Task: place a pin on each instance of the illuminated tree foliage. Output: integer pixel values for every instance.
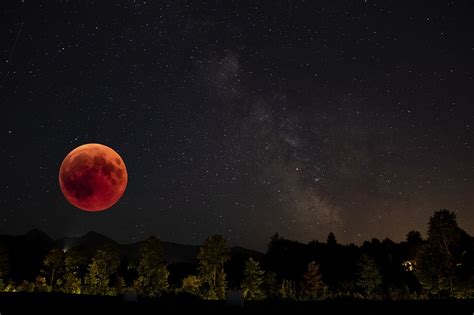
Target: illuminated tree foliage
(287, 290)
(220, 289)
(369, 279)
(26, 286)
(313, 286)
(104, 264)
(192, 284)
(152, 273)
(252, 284)
(72, 282)
(71, 279)
(120, 285)
(54, 267)
(41, 285)
(211, 256)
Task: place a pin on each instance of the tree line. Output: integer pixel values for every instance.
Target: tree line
(442, 265)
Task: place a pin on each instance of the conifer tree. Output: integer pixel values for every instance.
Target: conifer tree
(369, 279)
(313, 286)
(252, 284)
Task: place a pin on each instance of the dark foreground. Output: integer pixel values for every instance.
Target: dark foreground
(55, 303)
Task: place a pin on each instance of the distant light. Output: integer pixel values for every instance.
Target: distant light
(409, 266)
(65, 249)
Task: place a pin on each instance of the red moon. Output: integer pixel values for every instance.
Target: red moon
(93, 177)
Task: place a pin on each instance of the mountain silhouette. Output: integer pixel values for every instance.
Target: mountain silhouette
(28, 251)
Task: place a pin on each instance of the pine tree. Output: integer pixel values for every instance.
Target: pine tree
(211, 256)
(369, 278)
(252, 284)
(313, 286)
(152, 273)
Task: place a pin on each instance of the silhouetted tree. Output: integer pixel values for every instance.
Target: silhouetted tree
(286, 258)
(152, 273)
(4, 261)
(331, 241)
(104, 263)
(440, 254)
(414, 242)
(211, 256)
(414, 237)
(369, 278)
(313, 286)
(252, 284)
(54, 266)
(273, 243)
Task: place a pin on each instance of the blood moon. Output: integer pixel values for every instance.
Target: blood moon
(93, 177)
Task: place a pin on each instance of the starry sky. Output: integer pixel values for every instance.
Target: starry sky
(242, 118)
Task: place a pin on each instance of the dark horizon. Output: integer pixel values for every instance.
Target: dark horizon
(55, 238)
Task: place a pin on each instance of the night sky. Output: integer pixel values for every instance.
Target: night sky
(241, 118)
